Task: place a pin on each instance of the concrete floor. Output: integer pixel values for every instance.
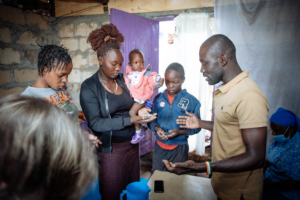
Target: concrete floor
(145, 173)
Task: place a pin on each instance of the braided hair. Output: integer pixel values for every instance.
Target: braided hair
(106, 38)
(53, 56)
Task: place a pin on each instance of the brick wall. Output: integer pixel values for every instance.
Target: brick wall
(19, 33)
(73, 33)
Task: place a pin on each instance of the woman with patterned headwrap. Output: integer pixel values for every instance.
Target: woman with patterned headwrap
(282, 167)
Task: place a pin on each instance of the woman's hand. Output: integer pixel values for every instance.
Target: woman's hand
(160, 133)
(144, 111)
(140, 119)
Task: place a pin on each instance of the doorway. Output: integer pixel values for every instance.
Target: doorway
(176, 44)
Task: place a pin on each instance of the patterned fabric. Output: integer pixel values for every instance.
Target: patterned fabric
(134, 77)
(117, 169)
(284, 158)
(139, 101)
(141, 84)
(61, 98)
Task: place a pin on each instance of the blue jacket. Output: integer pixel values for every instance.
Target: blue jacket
(167, 114)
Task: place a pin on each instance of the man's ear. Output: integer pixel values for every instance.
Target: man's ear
(100, 59)
(222, 60)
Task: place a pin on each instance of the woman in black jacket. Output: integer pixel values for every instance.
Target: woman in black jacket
(106, 101)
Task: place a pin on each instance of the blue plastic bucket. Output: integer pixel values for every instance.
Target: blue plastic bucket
(137, 190)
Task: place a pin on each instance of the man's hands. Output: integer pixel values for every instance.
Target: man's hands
(191, 121)
(160, 133)
(180, 168)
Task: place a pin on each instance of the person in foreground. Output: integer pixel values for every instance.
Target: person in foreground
(106, 101)
(172, 141)
(239, 128)
(43, 153)
(282, 166)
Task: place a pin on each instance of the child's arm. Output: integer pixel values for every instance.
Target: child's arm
(155, 81)
(195, 111)
(160, 133)
(176, 132)
(154, 109)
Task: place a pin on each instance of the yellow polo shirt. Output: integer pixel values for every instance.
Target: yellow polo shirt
(239, 104)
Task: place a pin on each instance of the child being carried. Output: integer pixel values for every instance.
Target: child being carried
(141, 83)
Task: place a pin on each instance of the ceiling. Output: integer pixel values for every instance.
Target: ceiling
(43, 7)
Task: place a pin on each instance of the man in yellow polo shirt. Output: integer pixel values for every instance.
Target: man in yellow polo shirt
(239, 128)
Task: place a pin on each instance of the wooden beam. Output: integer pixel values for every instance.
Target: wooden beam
(142, 6)
(63, 7)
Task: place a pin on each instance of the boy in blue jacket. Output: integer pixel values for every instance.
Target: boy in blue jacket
(172, 143)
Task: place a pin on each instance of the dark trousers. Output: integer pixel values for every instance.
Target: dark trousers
(179, 154)
(273, 195)
(242, 198)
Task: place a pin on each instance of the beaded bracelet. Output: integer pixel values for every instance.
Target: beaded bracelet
(208, 168)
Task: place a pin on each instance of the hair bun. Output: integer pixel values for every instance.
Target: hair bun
(105, 38)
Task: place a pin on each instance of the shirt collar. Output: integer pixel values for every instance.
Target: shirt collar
(233, 82)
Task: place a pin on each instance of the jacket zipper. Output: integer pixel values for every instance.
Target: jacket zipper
(107, 110)
(170, 113)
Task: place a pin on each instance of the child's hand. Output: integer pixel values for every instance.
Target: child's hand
(162, 80)
(160, 133)
(174, 133)
(94, 140)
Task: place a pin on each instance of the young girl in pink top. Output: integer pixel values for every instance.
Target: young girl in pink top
(141, 83)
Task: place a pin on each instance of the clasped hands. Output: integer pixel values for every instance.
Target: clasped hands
(161, 134)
